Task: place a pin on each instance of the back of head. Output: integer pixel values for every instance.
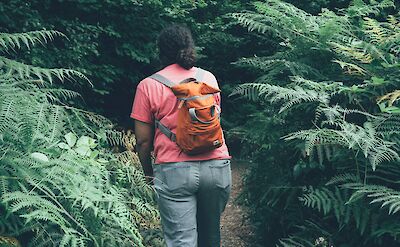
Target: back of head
(176, 45)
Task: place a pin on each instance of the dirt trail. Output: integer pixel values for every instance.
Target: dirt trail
(236, 229)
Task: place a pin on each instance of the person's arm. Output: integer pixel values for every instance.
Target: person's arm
(144, 133)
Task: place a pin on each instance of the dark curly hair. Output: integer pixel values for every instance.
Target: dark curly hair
(176, 45)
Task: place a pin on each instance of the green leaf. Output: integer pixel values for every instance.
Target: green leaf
(92, 143)
(393, 109)
(83, 150)
(71, 139)
(382, 106)
(39, 157)
(86, 141)
(83, 141)
(101, 160)
(389, 109)
(94, 154)
(63, 145)
(377, 80)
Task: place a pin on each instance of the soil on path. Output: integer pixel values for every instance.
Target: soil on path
(236, 229)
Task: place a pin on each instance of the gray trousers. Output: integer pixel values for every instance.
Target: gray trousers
(191, 197)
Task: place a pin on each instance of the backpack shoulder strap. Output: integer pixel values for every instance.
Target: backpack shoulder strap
(164, 129)
(162, 80)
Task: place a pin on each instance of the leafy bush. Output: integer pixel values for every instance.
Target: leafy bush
(328, 183)
(60, 183)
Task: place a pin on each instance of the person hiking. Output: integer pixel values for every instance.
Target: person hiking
(192, 173)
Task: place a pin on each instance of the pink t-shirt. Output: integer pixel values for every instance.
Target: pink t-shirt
(155, 100)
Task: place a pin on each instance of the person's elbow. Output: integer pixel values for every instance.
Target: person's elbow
(144, 134)
(144, 144)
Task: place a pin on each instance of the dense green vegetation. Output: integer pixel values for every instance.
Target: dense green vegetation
(329, 92)
(313, 107)
(60, 183)
(113, 42)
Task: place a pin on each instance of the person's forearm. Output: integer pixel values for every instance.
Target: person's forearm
(144, 151)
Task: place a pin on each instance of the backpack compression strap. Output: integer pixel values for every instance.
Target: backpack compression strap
(165, 81)
(165, 130)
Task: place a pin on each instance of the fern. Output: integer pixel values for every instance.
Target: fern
(28, 39)
(359, 8)
(391, 98)
(379, 194)
(351, 136)
(343, 178)
(275, 65)
(23, 71)
(8, 241)
(330, 70)
(289, 96)
(57, 191)
(295, 241)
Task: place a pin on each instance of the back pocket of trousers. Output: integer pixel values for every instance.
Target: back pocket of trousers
(176, 178)
(221, 172)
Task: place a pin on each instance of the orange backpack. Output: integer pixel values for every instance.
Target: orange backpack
(198, 127)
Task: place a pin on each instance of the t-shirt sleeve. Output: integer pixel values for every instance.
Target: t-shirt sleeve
(141, 109)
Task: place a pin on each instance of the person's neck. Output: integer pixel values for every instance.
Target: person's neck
(178, 67)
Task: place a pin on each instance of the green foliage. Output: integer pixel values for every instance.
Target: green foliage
(315, 6)
(114, 42)
(60, 184)
(341, 158)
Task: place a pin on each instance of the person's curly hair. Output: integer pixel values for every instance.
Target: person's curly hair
(176, 45)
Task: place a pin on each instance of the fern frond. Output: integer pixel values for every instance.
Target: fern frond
(276, 66)
(351, 136)
(128, 157)
(337, 202)
(280, 19)
(23, 71)
(387, 124)
(351, 69)
(28, 39)
(361, 8)
(46, 211)
(55, 95)
(377, 33)
(9, 241)
(254, 22)
(289, 96)
(391, 98)
(55, 122)
(380, 194)
(351, 52)
(292, 241)
(343, 178)
(120, 138)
